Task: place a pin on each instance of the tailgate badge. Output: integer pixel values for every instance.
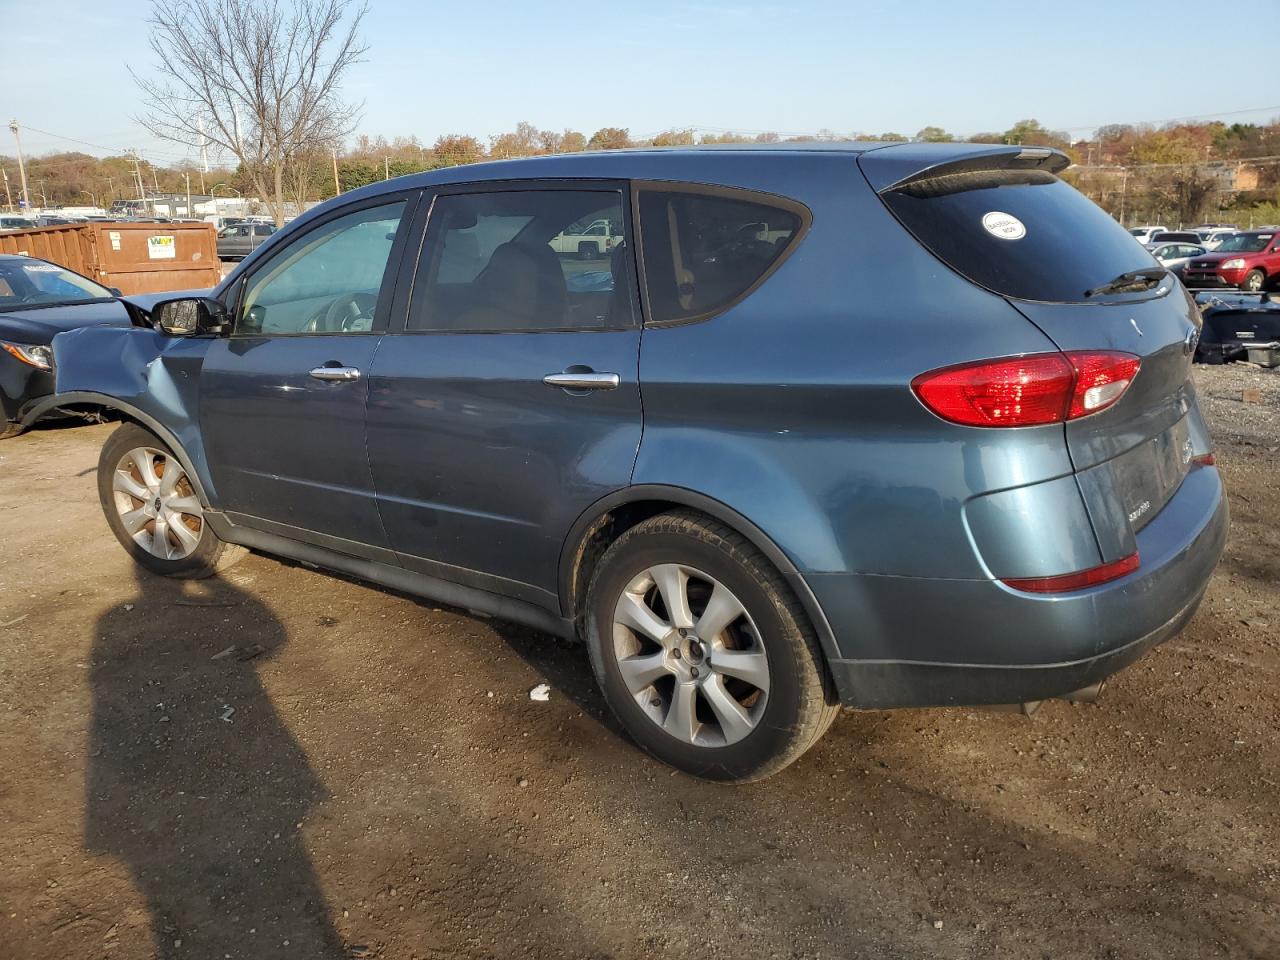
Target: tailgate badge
(1136, 327)
(1143, 507)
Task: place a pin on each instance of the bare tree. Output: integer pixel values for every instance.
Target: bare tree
(258, 78)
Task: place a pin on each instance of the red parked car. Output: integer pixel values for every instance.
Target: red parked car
(1248, 260)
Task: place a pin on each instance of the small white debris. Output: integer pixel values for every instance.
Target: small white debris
(541, 693)
(937, 924)
(128, 607)
(14, 622)
(225, 653)
(227, 711)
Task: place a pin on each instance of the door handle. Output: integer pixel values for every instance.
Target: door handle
(336, 374)
(586, 380)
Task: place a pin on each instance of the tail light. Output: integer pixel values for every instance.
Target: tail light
(1027, 391)
(1078, 580)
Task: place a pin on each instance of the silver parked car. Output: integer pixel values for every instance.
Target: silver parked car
(1175, 256)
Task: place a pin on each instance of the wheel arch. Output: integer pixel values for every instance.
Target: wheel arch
(609, 517)
(88, 402)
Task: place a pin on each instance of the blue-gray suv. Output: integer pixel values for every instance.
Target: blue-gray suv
(808, 425)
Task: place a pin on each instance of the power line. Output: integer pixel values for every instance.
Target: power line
(99, 146)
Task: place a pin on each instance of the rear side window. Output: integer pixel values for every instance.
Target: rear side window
(524, 261)
(704, 251)
(1021, 233)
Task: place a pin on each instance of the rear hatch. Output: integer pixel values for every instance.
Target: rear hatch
(1003, 219)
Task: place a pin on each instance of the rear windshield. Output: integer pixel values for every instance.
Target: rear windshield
(1021, 233)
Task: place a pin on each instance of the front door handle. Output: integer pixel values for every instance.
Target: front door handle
(587, 380)
(337, 374)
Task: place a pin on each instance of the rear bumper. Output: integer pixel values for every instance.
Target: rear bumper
(914, 642)
(1217, 280)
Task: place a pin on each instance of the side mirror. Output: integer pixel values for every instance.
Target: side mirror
(115, 291)
(189, 316)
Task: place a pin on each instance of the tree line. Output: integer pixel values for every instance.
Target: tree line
(1184, 172)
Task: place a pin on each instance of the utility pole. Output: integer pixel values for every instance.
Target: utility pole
(337, 187)
(188, 177)
(137, 174)
(22, 169)
(8, 197)
(44, 201)
(1124, 189)
(386, 168)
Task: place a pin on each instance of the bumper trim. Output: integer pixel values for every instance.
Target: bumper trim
(888, 684)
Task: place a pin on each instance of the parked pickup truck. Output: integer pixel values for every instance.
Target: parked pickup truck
(239, 240)
(1248, 260)
(590, 243)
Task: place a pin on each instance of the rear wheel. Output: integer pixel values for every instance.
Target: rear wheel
(153, 509)
(1253, 281)
(588, 250)
(703, 653)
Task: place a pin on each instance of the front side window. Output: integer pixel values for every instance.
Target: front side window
(704, 251)
(524, 260)
(327, 280)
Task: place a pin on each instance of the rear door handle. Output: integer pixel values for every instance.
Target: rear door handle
(337, 374)
(583, 381)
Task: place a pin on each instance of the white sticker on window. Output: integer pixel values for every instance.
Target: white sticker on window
(1003, 226)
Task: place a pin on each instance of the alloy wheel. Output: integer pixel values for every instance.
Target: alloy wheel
(690, 655)
(157, 504)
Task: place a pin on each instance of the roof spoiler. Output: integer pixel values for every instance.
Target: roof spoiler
(895, 167)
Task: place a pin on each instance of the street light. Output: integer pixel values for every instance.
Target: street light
(214, 189)
(92, 199)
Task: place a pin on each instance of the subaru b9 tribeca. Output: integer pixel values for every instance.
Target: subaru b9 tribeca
(879, 426)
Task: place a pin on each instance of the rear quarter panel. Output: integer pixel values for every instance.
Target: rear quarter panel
(794, 408)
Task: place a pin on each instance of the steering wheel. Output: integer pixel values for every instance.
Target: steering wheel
(342, 315)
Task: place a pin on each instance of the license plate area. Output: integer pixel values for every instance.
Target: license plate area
(1148, 476)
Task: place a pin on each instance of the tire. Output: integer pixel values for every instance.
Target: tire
(588, 250)
(1254, 281)
(190, 553)
(682, 717)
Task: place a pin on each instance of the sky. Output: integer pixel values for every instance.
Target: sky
(745, 65)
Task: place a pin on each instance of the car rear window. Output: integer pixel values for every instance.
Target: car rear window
(706, 249)
(1021, 233)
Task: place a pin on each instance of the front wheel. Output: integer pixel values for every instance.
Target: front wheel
(153, 509)
(703, 653)
(1253, 281)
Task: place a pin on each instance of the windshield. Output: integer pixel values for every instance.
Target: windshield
(1021, 233)
(1245, 243)
(28, 283)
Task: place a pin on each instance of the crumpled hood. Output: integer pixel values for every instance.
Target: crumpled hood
(39, 325)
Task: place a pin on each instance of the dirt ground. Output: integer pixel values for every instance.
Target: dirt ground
(377, 783)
